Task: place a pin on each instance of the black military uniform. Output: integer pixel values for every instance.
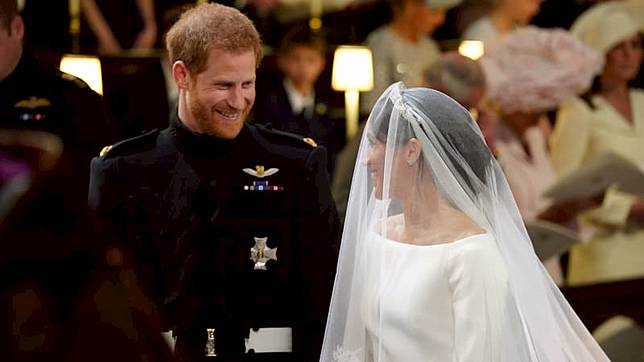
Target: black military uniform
(39, 97)
(198, 209)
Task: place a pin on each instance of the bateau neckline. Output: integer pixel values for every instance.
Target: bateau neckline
(484, 235)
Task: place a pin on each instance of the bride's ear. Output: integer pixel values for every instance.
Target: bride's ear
(413, 151)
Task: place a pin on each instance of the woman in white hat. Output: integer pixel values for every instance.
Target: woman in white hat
(609, 118)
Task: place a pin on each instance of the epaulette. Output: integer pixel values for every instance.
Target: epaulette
(72, 78)
(129, 144)
(287, 135)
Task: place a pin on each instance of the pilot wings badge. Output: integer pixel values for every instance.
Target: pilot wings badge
(33, 103)
(260, 171)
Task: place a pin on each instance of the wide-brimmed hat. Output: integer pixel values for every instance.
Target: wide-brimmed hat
(534, 70)
(607, 24)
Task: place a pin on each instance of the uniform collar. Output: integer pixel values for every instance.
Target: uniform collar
(25, 64)
(198, 145)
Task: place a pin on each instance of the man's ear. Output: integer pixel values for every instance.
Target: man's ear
(181, 75)
(413, 151)
(18, 27)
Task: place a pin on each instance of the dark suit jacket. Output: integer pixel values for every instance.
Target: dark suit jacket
(272, 106)
(191, 207)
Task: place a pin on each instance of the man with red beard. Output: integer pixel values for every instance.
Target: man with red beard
(233, 225)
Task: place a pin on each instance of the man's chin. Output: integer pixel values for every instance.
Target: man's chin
(229, 133)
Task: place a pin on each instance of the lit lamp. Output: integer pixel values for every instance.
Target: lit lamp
(472, 49)
(75, 24)
(85, 67)
(352, 73)
(315, 23)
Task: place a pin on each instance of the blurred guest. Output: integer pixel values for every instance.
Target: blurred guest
(459, 77)
(505, 16)
(66, 291)
(36, 96)
(122, 24)
(528, 73)
(402, 49)
(293, 105)
(47, 27)
(463, 79)
(610, 117)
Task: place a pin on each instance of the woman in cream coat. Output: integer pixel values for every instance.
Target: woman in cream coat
(609, 118)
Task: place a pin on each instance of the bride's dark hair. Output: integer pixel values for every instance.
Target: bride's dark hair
(453, 122)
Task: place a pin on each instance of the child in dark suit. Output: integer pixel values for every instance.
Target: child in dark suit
(292, 104)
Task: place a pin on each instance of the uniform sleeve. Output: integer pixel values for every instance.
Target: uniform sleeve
(571, 135)
(478, 282)
(123, 214)
(318, 233)
(102, 195)
(105, 198)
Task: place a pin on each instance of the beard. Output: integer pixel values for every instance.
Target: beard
(209, 125)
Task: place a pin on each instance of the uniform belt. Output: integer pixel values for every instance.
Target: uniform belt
(170, 339)
(270, 340)
(262, 340)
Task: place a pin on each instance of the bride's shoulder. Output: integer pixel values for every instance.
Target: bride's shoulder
(476, 248)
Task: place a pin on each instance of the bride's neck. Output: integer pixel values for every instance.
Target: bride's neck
(423, 213)
(431, 219)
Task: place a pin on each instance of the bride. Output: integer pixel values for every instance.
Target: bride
(436, 264)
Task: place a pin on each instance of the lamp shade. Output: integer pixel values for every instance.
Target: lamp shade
(85, 67)
(352, 69)
(472, 49)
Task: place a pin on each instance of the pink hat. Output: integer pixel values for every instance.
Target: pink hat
(534, 70)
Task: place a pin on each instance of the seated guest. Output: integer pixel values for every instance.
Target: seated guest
(293, 105)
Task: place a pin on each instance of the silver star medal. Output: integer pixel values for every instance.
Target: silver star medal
(261, 254)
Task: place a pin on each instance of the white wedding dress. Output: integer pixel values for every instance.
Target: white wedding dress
(423, 167)
(433, 302)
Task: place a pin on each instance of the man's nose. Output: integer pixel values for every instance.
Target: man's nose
(236, 98)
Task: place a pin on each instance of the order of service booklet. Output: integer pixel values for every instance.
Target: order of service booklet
(596, 176)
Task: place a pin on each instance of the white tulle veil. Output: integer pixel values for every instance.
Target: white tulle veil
(537, 323)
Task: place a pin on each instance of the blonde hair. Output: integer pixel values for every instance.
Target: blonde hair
(208, 26)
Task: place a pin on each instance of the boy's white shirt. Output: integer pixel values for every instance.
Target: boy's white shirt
(296, 99)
